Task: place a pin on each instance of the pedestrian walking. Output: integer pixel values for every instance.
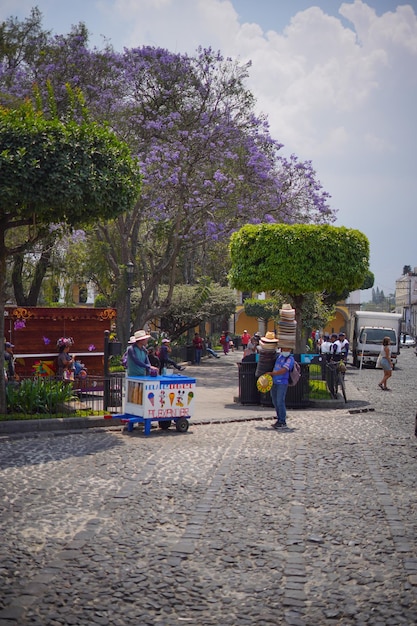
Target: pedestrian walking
(384, 361)
(225, 342)
(245, 338)
(198, 348)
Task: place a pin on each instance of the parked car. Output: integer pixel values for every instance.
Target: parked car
(407, 341)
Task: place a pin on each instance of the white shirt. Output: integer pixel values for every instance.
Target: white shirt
(325, 347)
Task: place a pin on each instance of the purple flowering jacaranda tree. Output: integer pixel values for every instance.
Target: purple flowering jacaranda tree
(209, 164)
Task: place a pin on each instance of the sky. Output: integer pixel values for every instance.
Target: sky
(337, 81)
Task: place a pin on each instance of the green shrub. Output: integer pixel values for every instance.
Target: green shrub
(38, 395)
(115, 363)
(100, 301)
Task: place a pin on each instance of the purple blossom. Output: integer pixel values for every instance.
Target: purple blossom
(91, 347)
(46, 341)
(205, 156)
(19, 324)
(78, 236)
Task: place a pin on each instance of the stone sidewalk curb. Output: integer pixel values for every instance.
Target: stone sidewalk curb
(249, 413)
(225, 409)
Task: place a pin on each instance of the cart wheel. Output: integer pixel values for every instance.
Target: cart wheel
(182, 425)
(165, 424)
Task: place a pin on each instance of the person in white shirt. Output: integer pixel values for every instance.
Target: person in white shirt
(335, 345)
(343, 346)
(325, 346)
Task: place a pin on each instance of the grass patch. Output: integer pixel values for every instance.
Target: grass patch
(319, 390)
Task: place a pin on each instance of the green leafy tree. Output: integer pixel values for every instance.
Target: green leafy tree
(264, 310)
(53, 171)
(333, 298)
(298, 260)
(192, 305)
(368, 281)
(316, 313)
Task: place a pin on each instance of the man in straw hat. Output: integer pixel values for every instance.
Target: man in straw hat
(280, 378)
(267, 353)
(138, 363)
(269, 342)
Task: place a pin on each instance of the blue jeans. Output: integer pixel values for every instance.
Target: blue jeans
(278, 393)
(168, 363)
(198, 354)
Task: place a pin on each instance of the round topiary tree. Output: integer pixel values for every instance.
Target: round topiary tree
(298, 259)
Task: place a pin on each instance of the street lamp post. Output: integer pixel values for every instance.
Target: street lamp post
(129, 270)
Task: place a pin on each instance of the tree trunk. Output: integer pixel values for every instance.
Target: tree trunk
(298, 305)
(122, 322)
(41, 267)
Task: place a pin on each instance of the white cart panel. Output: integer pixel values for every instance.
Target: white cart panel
(160, 396)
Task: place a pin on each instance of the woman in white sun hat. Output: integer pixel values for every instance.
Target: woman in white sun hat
(137, 356)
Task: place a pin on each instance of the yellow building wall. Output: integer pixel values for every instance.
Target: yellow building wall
(251, 324)
(339, 324)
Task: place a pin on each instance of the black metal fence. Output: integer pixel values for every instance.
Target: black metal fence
(101, 393)
(48, 396)
(317, 381)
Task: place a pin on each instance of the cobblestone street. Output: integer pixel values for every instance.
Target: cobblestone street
(231, 523)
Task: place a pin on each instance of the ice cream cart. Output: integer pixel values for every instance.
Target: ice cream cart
(164, 399)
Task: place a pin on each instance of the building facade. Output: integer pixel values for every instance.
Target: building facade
(406, 301)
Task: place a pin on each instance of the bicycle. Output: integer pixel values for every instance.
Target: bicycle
(335, 378)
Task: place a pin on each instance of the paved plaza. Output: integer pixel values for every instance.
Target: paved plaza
(231, 523)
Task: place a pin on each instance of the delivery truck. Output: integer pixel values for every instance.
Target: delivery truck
(368, 328)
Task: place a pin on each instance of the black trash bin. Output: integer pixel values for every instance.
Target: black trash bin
(190, 353)
(248, 391)
(299, 395)
(265, 399)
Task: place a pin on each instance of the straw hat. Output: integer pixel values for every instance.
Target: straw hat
(268, 343)
(140, 335)
(269, 337)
